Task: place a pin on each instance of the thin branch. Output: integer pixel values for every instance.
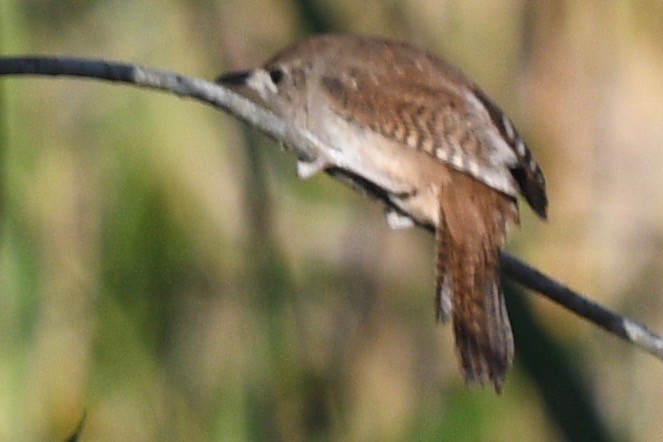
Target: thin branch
(305, 146)
(607, 319)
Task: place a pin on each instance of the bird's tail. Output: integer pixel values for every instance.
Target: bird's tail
(470, 234)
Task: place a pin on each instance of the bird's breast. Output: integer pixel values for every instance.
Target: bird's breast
(409, 177)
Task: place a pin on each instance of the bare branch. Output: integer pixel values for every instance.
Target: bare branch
(167, 81)
(605, 318)
(305, 146)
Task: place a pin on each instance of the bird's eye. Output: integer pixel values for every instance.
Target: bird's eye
(276, 75)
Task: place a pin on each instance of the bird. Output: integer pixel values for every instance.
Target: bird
(407, 127)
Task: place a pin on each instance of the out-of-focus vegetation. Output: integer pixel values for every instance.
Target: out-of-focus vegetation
(163, 272)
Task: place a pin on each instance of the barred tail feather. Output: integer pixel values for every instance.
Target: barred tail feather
(469, 236)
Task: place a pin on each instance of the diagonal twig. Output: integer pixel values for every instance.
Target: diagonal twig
(305, 146)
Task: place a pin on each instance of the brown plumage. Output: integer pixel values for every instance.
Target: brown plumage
(410, 129)
(471, 232)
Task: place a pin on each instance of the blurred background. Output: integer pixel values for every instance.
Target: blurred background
(165, 274)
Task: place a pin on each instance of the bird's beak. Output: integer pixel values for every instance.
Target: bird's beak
(243, 83)
(230, 79)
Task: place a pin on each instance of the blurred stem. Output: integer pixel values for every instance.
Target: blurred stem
(267, 270)
(565, 393)
(314, 19)
(3, 115)
(277, 298)
(266, 265)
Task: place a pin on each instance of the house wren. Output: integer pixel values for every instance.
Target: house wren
(408, 128)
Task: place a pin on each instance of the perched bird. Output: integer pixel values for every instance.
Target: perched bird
(410, 129)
